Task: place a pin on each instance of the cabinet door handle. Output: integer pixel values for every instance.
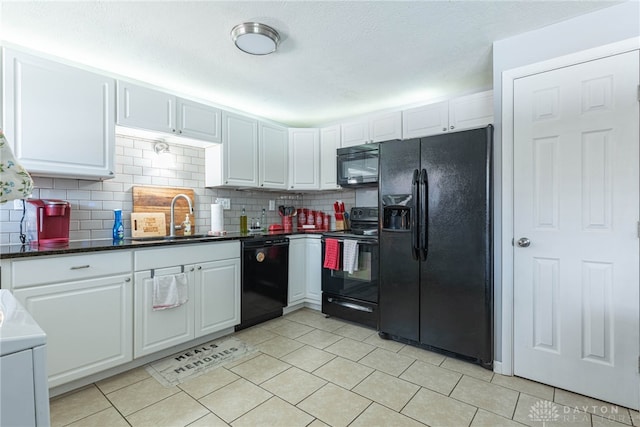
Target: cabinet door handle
(444, 129)
(127, 280)
(80, 267)
(192, 269)
(452, 127)
(199, 267)
(180, 131)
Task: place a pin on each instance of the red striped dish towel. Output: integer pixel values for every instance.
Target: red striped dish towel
(331, 254)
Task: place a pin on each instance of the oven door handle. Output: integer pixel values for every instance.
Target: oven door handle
(360, 242)
(350, 305)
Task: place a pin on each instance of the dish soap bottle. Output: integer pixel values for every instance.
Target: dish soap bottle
(118, 228)
(186, 226)
(243, 221)
(263, 220)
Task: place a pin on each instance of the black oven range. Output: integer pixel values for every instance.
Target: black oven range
(350, 269)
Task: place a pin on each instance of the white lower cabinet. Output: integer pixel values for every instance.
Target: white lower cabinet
(305, 259)
(297, 269)
(88, 320)
(156, 330)
(96, 317)
(217, 296)
(213, 289)
(314, 270)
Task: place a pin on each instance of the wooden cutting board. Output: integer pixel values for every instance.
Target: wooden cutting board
(147, 224)
(150, 199)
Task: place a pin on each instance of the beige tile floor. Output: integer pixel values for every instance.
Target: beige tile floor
(316, 371)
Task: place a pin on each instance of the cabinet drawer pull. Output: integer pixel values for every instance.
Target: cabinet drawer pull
(80, 267)
(128, 279)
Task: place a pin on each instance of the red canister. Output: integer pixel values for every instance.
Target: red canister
(319, 220)
(311, 218)
(302, 217)
(326, 222)
(299, 217)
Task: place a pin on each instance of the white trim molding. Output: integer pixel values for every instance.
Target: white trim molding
(508, 79)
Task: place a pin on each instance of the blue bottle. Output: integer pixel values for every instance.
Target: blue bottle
(118, 228)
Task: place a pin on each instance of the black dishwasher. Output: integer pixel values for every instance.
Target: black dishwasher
(265, 279)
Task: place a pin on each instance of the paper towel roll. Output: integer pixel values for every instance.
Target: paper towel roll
(217, 218)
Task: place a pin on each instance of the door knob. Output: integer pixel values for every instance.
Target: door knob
(523, 242)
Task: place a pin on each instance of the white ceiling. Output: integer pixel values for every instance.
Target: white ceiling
(336, 59)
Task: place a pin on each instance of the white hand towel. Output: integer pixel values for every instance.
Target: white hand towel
(169, 291)
(350, 256)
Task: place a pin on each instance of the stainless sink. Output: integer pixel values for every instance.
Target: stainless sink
(170, 238)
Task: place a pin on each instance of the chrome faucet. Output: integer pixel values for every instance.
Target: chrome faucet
(172, 226)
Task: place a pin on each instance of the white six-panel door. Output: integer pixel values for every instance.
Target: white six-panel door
(576, 199)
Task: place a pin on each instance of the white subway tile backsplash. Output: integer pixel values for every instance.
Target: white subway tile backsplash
(126, 161)
(62, 183)
(141, 180)
(137, 164)
(91, 225)
(52, 194)
(132, 152)
(132, 170)
(78, 195)
(101, 195)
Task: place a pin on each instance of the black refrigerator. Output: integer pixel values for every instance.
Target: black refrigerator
(436, 278)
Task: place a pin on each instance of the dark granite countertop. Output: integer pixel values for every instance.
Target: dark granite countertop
(23, 251)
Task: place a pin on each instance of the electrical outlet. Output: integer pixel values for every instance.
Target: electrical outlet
(272, 205)
(225, 202)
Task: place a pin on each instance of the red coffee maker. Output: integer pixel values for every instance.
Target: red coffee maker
(48, 222)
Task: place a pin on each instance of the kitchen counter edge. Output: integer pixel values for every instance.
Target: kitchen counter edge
(97, 245)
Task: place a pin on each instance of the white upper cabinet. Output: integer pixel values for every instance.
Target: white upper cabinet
(153, 110)
(385, 127)
(304, 159)
(426, 120)
(461, 113)
(234, 163)
(198, 121)
(471, 111)
(329, 143)
(273, 143)
(375, 128)
(144, 108)
(355, 133)
(59, 119)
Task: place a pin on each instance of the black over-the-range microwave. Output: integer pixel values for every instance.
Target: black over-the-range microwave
(358, 165)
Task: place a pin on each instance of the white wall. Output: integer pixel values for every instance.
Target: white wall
(610, 25)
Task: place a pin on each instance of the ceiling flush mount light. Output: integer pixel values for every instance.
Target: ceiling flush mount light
(161, 148)
(255, 38)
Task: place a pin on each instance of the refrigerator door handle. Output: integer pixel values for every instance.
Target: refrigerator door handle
(424, 215)
(415, 249)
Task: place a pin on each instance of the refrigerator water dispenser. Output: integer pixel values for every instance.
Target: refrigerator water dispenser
(396, 218)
